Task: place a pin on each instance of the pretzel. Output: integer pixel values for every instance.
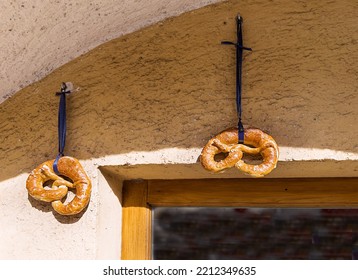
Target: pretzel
(227, 142)
(70, 168)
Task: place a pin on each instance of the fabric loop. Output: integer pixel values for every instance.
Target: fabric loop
(239, 51)
(55, 164)
(241, 132)
(61, 125)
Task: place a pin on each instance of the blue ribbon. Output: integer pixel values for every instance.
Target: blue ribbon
(61, 126)
(239, 50)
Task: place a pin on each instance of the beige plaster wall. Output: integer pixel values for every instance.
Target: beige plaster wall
(146, 103)
(38, 36)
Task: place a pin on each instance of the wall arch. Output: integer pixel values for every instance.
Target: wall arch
(154, 97)
(38, 37)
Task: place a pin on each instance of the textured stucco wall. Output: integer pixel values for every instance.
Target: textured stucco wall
(38, 36)
(146, 103)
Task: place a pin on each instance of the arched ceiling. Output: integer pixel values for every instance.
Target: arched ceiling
(38, 36)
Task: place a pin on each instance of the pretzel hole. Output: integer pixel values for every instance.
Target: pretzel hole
(252, 159)
(66, 178)
(220, 156)
(69, 196)
(48, 184)
(71, 193)
(250, 146)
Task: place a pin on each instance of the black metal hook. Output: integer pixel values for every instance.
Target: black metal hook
(64, 89)
(238, 44)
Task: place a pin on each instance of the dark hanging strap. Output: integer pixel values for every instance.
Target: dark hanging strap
(61, 125)
(239, 50)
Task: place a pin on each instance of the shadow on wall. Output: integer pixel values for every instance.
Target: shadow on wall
(46, 207)
(173, 85)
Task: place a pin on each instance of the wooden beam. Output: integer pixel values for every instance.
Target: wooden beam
(140, 196)
(308, 192)
(136, 222)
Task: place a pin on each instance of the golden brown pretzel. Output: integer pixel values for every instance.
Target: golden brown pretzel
(68, 167)
(227, 142)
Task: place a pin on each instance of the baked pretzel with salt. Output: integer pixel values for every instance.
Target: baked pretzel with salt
(236, 141)
(255, 142)
(70, 168)
(64, 172)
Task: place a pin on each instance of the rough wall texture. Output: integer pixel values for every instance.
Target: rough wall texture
(38, 36)
(157, 95)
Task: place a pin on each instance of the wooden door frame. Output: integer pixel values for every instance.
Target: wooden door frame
(139, 196)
